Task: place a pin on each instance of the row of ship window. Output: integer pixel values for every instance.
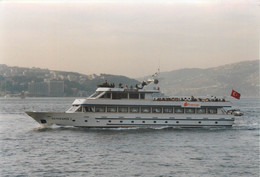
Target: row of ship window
(166, 122)
(114, 109)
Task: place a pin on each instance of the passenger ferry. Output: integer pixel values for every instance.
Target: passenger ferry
(111, 107)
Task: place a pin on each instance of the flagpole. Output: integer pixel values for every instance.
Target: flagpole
(5, 89)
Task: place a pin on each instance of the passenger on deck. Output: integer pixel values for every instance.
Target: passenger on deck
(144, 83)
(120, 85)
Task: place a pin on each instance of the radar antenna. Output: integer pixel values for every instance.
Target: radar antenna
(157, 73)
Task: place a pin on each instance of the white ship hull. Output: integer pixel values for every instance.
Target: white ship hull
(137, 107)
(113, 120)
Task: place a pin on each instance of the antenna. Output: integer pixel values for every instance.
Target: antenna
(159, 66)
(5, 89)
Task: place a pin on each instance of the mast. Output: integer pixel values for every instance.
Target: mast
(5, 89)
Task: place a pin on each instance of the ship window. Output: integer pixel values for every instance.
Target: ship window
(106, 95)
(134, 109)
(73, 108)
(43, 121)
(79, 110)
(89, 108)
(133, 95)
(86, 120)
(100, 109)
(123, 109)
(190, 110)
(167, 110)
(142, 95)
(143, 121)
(111, 109)
(166, 122)
(201, 111)
(132, 121)
(121, 121)
(212, 110)
(123, 95)
(119, 95)
(154, 121)
(96, 94)
(115, 96)
(179, 110)
(145, 110)
(157, 110)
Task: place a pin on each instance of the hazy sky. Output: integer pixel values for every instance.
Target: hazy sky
(131, 37)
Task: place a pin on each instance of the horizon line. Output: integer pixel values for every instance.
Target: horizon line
(125, 75)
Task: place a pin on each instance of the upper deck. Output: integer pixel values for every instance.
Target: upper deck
(143, 94)
(142, 91)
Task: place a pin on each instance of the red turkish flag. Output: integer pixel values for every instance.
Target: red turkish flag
(235, 94)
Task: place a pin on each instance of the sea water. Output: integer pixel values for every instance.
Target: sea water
(30, 150)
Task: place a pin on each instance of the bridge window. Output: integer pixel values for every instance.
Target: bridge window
(142, 95)
(119, 95)
(133, 95)
(106, 95)
(96, 94)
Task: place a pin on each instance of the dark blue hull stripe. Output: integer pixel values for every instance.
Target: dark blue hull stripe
(142, 119)
(174, 125)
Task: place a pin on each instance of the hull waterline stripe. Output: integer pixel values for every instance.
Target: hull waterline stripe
(164, 119)
(169, 125)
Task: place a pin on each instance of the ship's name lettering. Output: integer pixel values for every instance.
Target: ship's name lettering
(60, 118)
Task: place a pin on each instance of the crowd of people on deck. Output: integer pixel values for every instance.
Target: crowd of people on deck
(192, 98)
(120, 85)
(106, 84)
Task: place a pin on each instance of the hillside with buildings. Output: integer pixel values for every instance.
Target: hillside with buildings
(243, 77)
(36, 82)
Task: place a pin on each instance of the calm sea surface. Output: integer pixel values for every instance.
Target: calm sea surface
(28, 150)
